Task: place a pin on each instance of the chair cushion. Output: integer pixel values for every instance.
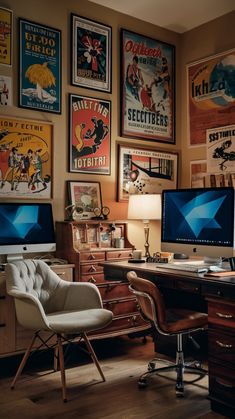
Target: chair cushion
(79, 321)
(181, 320)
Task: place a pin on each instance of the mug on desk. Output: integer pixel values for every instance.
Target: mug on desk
(137, 254)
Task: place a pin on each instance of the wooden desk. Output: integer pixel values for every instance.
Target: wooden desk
(215, 294)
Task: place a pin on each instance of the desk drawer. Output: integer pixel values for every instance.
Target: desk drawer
(218, 290)
(221, 313)
(64, 272)
(222, 384)
(93, 278)
(91, 268)
(114, 290)
(221, 346)
(122, 306)
(119, 254)
(92, 256)
(188, 286)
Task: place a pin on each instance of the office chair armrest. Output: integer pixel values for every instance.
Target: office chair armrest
(29, 311)
(82, 296)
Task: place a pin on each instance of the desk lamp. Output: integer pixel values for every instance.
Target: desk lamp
(145, 208)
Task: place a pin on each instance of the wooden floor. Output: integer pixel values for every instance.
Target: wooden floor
(38, 393)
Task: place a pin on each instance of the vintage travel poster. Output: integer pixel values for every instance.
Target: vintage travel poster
(25, 158)
(40, 67)
(6, 16)
(90, 133)
(147, 88)
(221, 149)
(145, 171)
(211, 95)
(91, 54)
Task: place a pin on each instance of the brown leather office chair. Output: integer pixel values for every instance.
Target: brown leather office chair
(167, 322)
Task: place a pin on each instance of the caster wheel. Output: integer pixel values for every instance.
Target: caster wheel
(198, 364)
(142, 383)
(151, 366)
(179, 390)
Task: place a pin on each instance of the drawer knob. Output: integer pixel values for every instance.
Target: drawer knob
(133, 320)
(92, 279)
(91, 257)
(224, 345)
(92, 268)
(224, 316)
(60, 273)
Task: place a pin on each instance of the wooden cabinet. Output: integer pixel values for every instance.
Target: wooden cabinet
(221, 354)
(86, 244)
(13, 337)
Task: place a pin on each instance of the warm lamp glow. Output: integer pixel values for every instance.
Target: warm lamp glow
(145, 208)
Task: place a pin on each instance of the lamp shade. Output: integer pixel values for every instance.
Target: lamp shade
(144, 207)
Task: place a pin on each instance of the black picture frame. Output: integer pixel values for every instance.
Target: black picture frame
(91, 55)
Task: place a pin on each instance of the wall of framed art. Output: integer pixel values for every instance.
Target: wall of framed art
(51, 40)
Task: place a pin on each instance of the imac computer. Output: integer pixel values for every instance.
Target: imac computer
(26, 228)
(199, 222)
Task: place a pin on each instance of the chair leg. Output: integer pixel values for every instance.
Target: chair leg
(56, 356)
(93, 355)
(24, 360)
(179, 387)
(62, 372)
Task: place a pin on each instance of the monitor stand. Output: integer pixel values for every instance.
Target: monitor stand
(11, 258)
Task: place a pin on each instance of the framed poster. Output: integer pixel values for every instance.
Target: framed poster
(85, 196)
(90, 133)
(144, 170)
(211, 95)
(5, 91)
(40, 67)
(91, 54)
(201, 178)
(221, 149)
(6, 22)
(25, 158)
(147, 88)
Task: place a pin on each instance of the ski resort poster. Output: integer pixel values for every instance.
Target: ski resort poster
(221, 149)
(25, 158)
(147, 88)
(145, 171)
(211, 95)
(40, 67)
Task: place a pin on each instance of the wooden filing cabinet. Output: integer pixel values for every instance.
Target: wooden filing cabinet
(221, 354)
(88, 243)
(13, 337)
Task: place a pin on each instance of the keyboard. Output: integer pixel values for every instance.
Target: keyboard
(187, 267)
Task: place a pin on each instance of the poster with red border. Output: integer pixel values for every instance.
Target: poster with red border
(90, 135)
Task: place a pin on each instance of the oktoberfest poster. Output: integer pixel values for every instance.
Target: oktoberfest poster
(221, 149)
(6, 16)
(25, 159)
(211, 95)
(90, 133)
(147, 88)
(40, 67)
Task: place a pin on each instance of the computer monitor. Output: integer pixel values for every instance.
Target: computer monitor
(26, 228)
(198, 222)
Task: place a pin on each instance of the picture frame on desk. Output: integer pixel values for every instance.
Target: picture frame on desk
(91, 60)
(145, 170)
(85, 197)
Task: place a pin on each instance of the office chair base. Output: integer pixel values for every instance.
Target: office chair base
(193, 367)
